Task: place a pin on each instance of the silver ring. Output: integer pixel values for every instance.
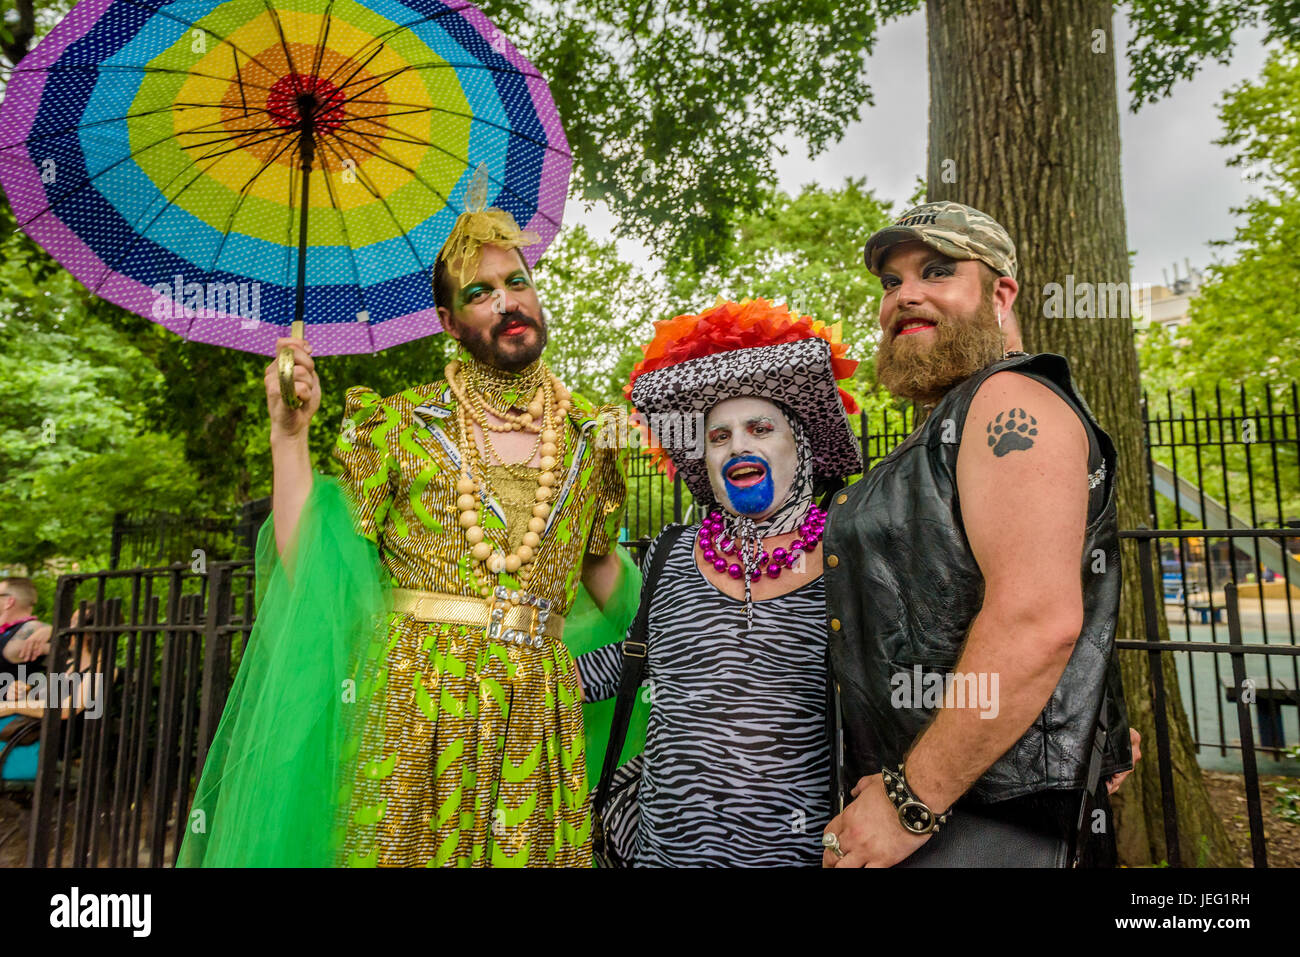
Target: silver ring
(832, 843)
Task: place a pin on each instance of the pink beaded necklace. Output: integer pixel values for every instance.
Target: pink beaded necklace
(715, 549)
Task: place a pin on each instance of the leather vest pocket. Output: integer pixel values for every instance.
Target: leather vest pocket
(918, 686)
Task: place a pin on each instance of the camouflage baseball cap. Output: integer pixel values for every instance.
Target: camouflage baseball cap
(954, 230)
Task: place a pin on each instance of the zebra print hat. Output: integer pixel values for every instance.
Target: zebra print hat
(745, 349)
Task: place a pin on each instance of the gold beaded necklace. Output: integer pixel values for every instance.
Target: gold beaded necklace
(492, 390)
(553, 406)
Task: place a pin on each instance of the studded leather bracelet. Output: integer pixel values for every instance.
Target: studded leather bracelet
(913, 814)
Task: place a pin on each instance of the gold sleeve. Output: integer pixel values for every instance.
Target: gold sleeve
(369, 470)
(609, 488)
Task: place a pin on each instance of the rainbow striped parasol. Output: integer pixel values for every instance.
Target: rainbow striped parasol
(157, 150)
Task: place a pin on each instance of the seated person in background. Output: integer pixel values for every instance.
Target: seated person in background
(79, 688)
(23, 638)
(23, 703)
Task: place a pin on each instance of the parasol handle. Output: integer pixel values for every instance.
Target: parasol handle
(307, 145)
(285, 358)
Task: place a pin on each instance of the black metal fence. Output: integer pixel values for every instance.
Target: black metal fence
(153, 539)
(149, 658)
(1225, 489)
(1255, 669)
(116, 776)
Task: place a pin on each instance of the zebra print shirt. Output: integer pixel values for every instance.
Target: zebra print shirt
(737, 761)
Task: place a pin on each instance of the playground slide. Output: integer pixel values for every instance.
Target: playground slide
(1188, 498)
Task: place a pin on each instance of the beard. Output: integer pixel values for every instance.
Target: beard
(961, 346)
(492, 349)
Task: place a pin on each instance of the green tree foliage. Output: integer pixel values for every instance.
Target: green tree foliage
(1172, 39)
(674, 109)
(71, 447)
(1244, 327)
(1243, 337)
(1244, 323)
(804, 250)
(599, 309)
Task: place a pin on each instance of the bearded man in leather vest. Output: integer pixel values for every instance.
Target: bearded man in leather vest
(972, 581)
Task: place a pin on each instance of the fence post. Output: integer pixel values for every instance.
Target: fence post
(1244, 728)
(1164, 757)
(43, 800)
(166, 729)
(862, 439)
(1149, 457)
(216, 660)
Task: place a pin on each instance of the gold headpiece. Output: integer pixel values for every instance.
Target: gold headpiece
(477, 227)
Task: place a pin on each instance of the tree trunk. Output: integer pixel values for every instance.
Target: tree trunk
(1024, 125)
(22, 30)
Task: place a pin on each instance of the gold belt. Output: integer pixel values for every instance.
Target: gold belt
(508, 616)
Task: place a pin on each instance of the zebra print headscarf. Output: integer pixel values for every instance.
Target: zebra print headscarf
(749, 534)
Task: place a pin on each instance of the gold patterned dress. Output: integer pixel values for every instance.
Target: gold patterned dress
(472, 752)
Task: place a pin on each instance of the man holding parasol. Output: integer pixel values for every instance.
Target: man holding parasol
(490, 503)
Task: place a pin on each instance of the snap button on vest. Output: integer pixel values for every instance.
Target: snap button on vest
(832, 560)
(835, 624)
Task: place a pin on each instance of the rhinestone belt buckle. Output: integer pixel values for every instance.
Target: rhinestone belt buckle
(503, 598)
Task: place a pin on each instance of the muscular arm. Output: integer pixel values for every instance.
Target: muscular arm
(17, 647)
(1025, 512)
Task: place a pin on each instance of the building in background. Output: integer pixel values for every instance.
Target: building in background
(1169, 304)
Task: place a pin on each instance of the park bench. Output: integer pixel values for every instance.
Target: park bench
(1177, 596)
(1173, 588)
(1206, 611)
(1270, 698)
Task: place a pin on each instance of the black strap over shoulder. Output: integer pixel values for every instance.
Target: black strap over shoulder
(1089, 800)
(635, 649)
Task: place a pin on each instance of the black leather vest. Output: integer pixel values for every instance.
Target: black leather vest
(905, 588)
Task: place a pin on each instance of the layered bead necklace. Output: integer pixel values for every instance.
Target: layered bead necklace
(475, 387)
(740, 537)
(757, 562)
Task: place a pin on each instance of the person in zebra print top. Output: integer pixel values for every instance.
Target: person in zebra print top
(737, 768)
(737, 759)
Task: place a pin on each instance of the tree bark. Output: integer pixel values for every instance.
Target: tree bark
(21, 32)
(1024, 125)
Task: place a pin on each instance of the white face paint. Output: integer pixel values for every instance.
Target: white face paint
(751, 455)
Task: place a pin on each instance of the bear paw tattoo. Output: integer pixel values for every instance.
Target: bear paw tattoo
(1012, 433)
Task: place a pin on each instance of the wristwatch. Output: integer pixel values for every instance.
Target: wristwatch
(913, 814)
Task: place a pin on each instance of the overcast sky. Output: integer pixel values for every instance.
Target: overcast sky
(1178, 190)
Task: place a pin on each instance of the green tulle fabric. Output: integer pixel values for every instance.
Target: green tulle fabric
(269, 795)
(277, 780)
(587, 628)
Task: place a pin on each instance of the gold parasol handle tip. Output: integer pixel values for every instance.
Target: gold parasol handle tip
(287, 393)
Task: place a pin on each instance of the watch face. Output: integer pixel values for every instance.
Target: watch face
(916, 817)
